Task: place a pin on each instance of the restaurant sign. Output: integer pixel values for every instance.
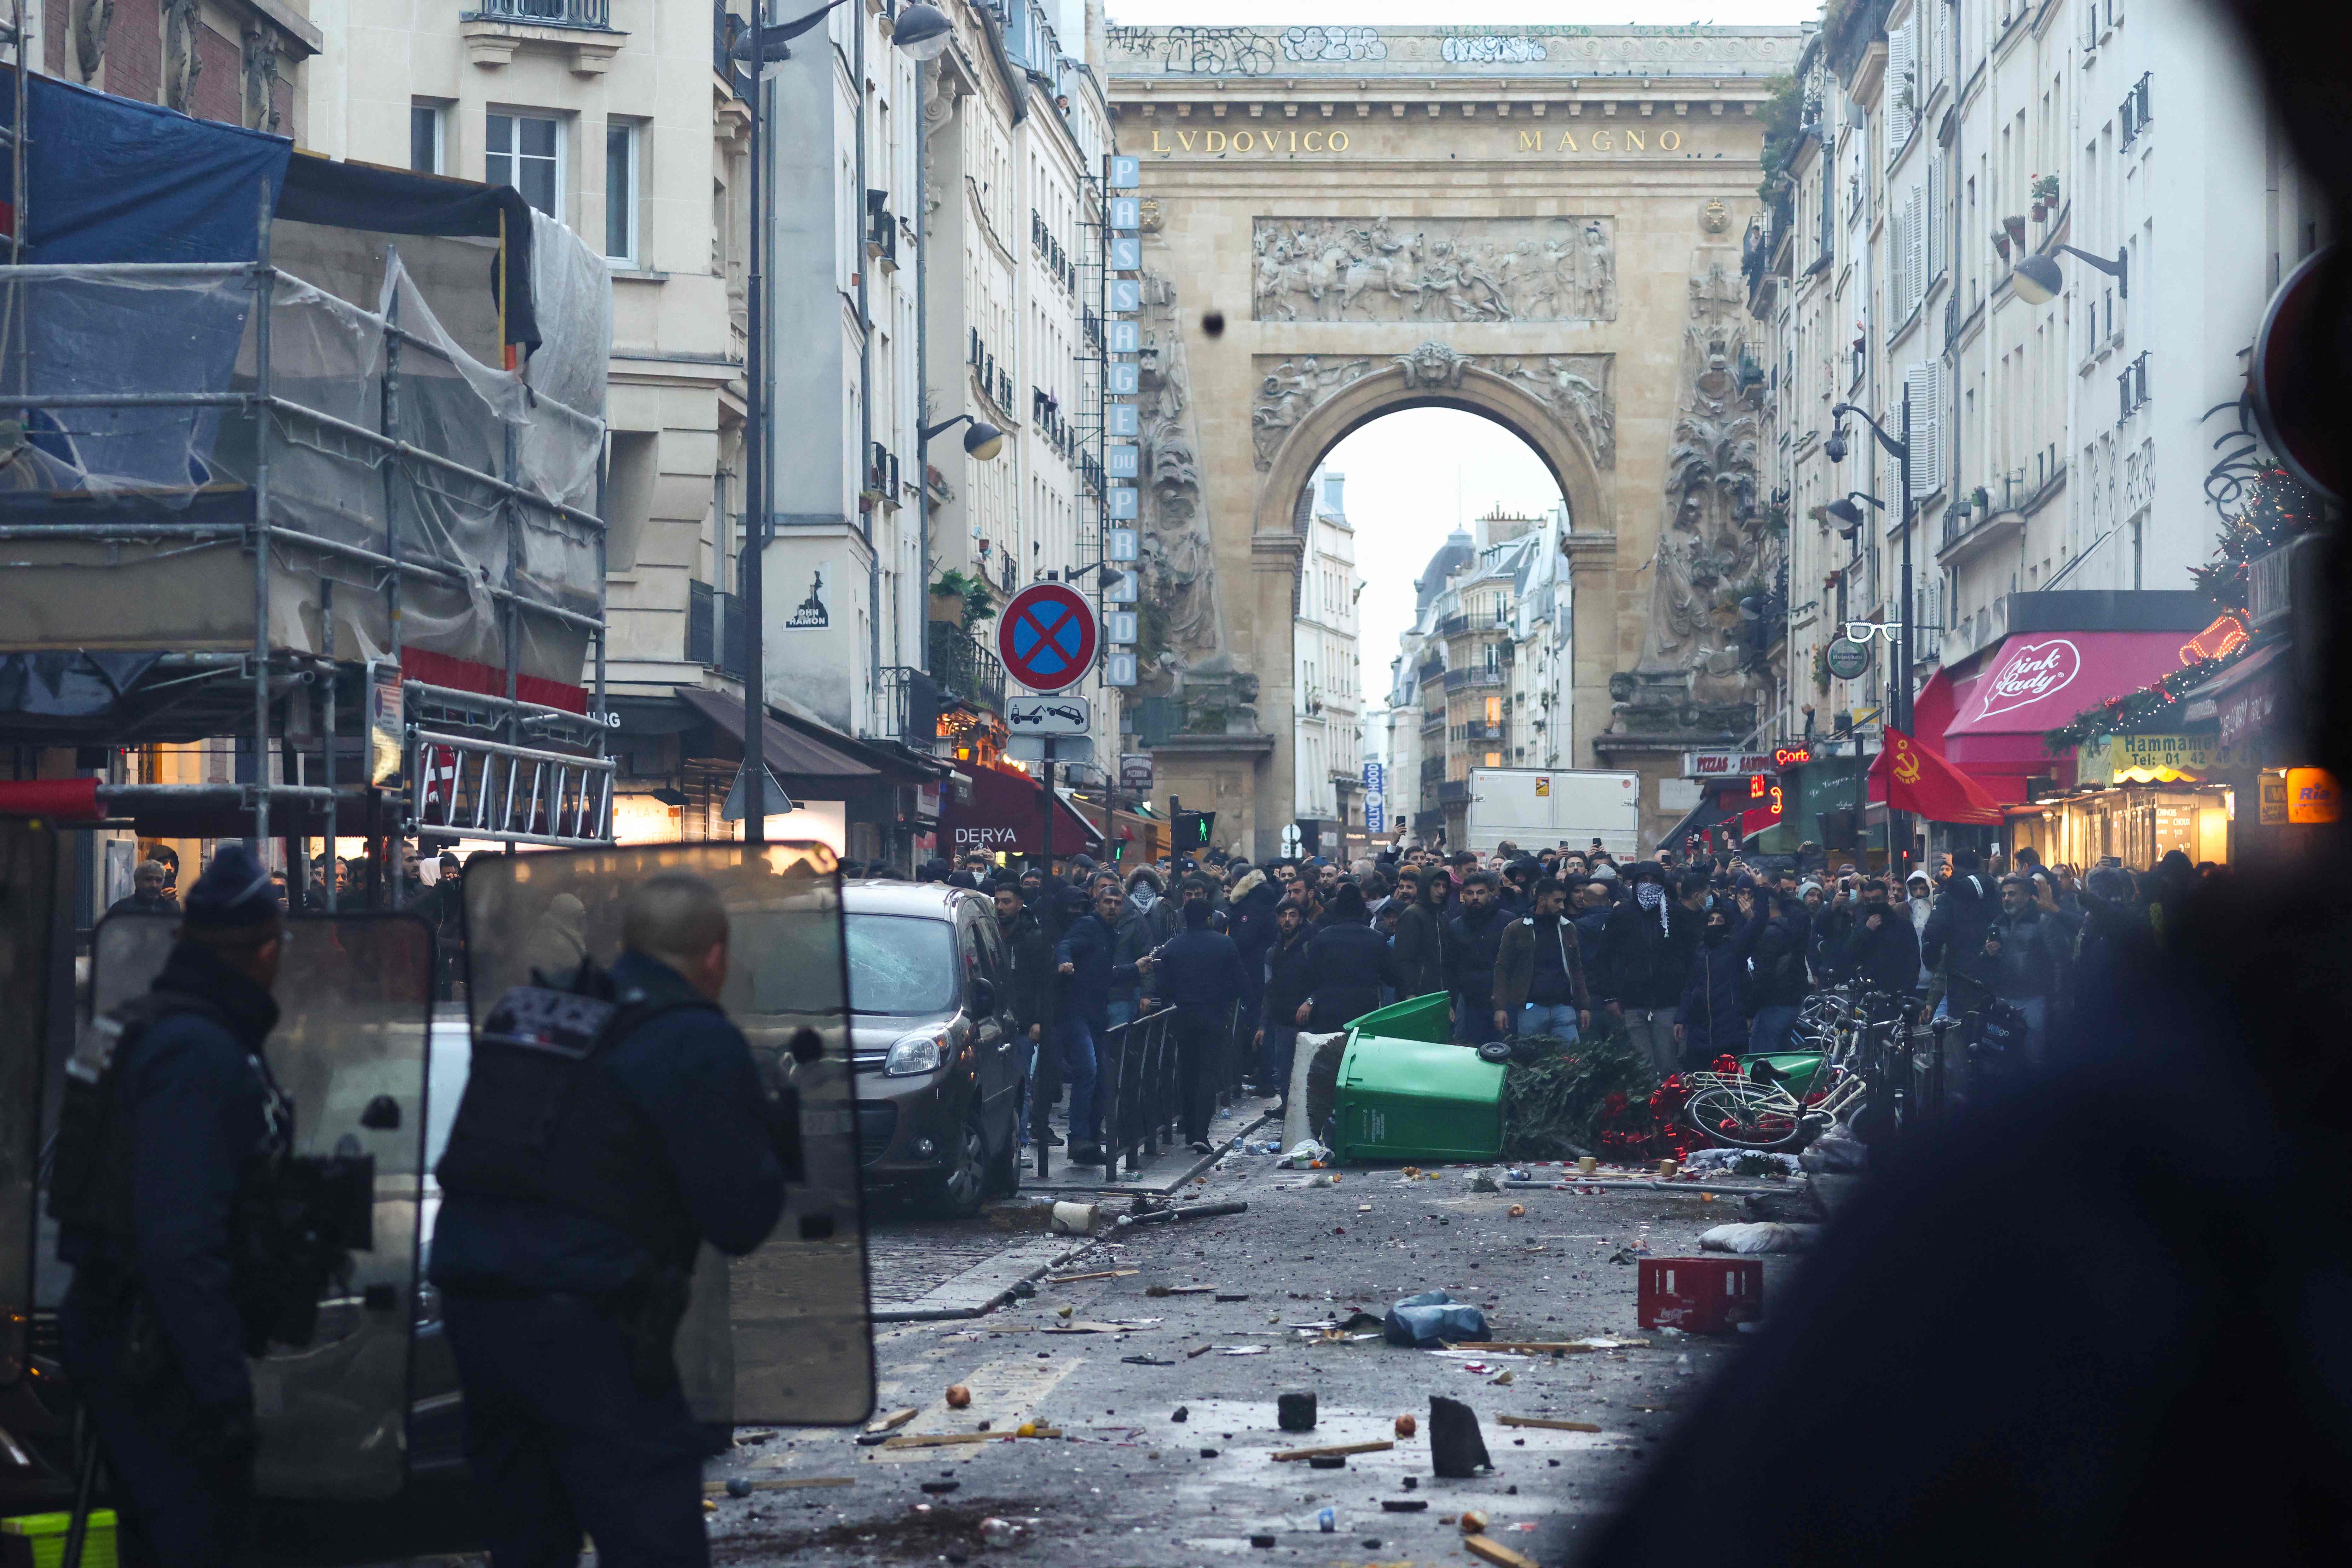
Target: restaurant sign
(2152, 759)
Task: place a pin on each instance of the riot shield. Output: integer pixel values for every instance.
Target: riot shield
(783, 1335)
(355, 999)
(28, 875)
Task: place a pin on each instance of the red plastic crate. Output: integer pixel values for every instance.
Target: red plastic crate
(1701, 1294)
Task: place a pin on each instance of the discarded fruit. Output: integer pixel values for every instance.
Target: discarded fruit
(1473, 1522)
(1518, 1211)
(1406, 1426)
(958, 1397)
(1027, 1429)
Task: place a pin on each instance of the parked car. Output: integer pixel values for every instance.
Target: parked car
(939, 1063)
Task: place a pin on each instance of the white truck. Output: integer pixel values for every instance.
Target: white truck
(1538, 808)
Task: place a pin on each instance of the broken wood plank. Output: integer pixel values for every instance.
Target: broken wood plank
(950, 1439)
(1083, 1327)
(1495, 1551)
(1099, 1274)
(1199, 1351)
(892, 1422)
(1547, 1423)
(1335, 1449)
(719, 1489)
(1157, 1290)
(1546, 1347)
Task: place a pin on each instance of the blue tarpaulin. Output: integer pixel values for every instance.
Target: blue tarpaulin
(116, 180)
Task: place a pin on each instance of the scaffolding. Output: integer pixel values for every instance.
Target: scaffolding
(240, 503)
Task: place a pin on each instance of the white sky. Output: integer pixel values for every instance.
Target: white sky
(1412, 477)
(1424, 12)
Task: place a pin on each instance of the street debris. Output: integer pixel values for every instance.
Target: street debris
(898, 1418)
(1002, 1533)
(1181, 1413)
(1332, 1450)
(802, 1483)
(1517, 1211)
(940, 1488)
(1472, 1522)
(1195, 1211)
(1404, 1504)
(1144, 1360)
(958, 1397)
(1075, 1219)
(1547, 1423)
(1097, 1274)
(1752, 1238)
(1156, 1292)
(1406, 1426)
(1456, 1450)
(1496, 1553)
(1232, 1295)
(1305, 1154)
(1433, 1318)
(1740, 1162)
(1242, 1349)
(1328, 1522)
(1294, 1410)
(1483, 1182)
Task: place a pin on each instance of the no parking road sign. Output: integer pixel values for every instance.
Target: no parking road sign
(1047, 636)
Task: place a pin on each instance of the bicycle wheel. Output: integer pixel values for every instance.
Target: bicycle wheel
(1745, 1116)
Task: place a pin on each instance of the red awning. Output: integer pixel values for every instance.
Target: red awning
(1003, 814)
(2038, 681)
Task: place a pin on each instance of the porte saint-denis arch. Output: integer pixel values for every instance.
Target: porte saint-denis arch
(1539, 224)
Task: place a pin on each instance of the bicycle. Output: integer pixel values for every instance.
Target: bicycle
(1749, 1111)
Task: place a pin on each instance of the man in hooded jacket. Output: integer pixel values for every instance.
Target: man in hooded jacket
(1645, 957)
(1420, 952)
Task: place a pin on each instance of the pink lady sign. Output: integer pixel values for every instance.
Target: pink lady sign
(2027, 672)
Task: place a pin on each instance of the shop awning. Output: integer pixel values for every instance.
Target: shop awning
(1005, 813)
(2243, 701)
(1716, 808)
(790, 754)
(2037, 681)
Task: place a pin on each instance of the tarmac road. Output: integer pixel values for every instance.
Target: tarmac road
(1125, 1484)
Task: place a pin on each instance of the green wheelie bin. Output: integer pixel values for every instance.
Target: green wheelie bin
(1406, 1093)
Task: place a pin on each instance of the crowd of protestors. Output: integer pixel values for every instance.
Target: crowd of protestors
(1686, 957)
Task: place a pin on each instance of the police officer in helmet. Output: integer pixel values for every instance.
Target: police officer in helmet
(153, 1171)
(564, 1243)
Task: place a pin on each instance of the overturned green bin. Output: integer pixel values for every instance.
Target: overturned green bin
(1405, 1093)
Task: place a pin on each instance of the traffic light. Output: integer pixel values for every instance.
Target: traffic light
(1194, 829)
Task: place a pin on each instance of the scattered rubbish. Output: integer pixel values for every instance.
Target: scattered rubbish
(1485, 1183)
(709, 1506)
(1339, 1450)
(1517, 1211)
(1517, 1174)
(1432, 1318)
(751, 1434)
(1492, 1551)
(1086, 1326)
(1739, 1162)
(801, 1483)
(1025, 1288)
(1837, 1153)
(1075, 1219)
(1264, 1542)
(1456, 1450)
(1473, 1522)
(1062, 1311)
(1406, 1426)
(1321, 1179)
(953, 1439)
(1502, 1380)
(1233, 1297)
(896, 1419)
(1547, 1423)
(1749, 1239)
(1586, 1164)
(1363, 1208)
(958, 1397)
(1208, 1453)
(1197, 1352)
(1699, 1295)
(1666, 1168)
(1473, 1366)
(1241, 1350)
(1326, 1522)
(1144, 1360)
(1327, 1462)
(738, 1486)
(1181, 1413)
(1304, 1154)
(1195, 1211)
(942, 1488)
(1097, 1274)
(1157, 1292)
(1404, 1504)
(1001, 1533)
(1294, 1410)
(1410, 1482)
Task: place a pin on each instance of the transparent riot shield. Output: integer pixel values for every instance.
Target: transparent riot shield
(355, 998)
(781, 1336)
(28, 875)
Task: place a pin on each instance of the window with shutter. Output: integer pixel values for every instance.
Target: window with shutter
(1935, 218)
(1898, 91)
(1898, 279)
(1915, 236)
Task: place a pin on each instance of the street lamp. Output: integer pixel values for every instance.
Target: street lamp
(982, 441)
(1849, 515)
(2038, 281)
(1899, 706)
(923, 33)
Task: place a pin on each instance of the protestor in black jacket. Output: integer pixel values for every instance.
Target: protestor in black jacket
(1776, 981)
(1345, 961)
(1881, 949)
(1473, 939)
(1420, 936)
(1965, 905)
(1287, 984)
(1645, 961)
(1198, 973)
(1709, 1020)
(1031, 953)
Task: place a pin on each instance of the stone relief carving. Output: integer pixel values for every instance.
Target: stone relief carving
(1700, 669)
(1184, 652)
(92, 20)
(182, 64)
(1444, 269)
(260, 78)
(1576, 388)
(1333, 44)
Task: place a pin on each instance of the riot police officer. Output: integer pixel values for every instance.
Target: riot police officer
(171, 1116)
(566, 1242)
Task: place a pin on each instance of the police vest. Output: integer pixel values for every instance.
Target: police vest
(544, 1118)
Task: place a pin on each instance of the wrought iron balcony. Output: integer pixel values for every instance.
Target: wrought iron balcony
(964, 669)
(597, 13)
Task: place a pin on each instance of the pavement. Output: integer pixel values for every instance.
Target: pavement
(1094, 1357)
